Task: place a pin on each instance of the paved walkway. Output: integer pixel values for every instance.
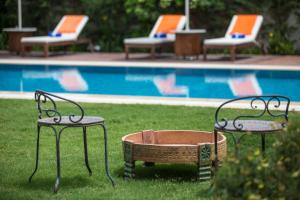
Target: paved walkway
(164, 58)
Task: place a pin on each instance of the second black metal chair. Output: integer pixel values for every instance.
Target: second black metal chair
(263, 117)
(49, 116)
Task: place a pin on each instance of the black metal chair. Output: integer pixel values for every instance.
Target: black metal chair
(261, 120)
(49, 116)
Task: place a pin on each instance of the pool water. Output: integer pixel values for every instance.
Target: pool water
(146, 81)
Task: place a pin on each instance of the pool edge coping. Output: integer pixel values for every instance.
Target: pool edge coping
(149, 64)
(118, 99)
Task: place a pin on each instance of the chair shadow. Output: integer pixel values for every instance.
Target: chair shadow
(47, 183)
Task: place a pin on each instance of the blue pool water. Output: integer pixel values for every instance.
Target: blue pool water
(140, 81)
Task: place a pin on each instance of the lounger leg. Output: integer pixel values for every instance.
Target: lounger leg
(152, 52)
(90, 46)
(126, 52)
(65, 49)
(23, 50)
(46, 49)
(204, 53)
(232, 53)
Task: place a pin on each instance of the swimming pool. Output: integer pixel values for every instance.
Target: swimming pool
(150, 81)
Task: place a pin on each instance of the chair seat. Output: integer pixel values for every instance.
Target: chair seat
(86, 120)
(250, 125)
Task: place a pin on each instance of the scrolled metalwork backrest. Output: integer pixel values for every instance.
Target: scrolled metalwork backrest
(42, 97)
(267, 103)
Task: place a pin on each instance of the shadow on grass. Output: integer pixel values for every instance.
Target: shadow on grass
(167, 172)
(176, 173)
(48, 183)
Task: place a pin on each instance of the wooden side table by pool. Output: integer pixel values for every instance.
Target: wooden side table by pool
(188, 42)
(15, 35)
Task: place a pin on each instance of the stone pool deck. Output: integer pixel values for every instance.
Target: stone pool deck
(161, 58)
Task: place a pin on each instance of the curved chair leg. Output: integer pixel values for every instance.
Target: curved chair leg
(86, 158)
(237, 143)
(106, 156)
(58, 175)
(37, 152)
(216, 161)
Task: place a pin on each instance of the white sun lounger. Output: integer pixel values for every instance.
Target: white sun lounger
(248, 25)
(167, 24)
(69, 27)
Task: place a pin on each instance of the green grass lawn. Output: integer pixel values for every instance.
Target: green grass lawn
(164, 181)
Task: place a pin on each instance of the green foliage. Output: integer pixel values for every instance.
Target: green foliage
(113, 20)
(254, 177)
(2, 41)
(278, 44)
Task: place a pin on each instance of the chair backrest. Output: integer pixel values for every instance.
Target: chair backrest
(168, 24)
(71, 25)
(249, 25)
(47, 107)
(265, 107)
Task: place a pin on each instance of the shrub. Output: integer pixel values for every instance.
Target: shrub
(254, 177)
(278, 44)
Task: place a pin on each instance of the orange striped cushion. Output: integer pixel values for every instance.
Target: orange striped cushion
(244, 24)
(168, 24)
(70, 24)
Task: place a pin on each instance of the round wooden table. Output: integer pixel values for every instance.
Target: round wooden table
(188, 42)
(15, 35)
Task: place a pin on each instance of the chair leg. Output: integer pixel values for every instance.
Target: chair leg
(106, 156)
(58, 176)
(216, 162)
(37, 152)
(86, 158)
